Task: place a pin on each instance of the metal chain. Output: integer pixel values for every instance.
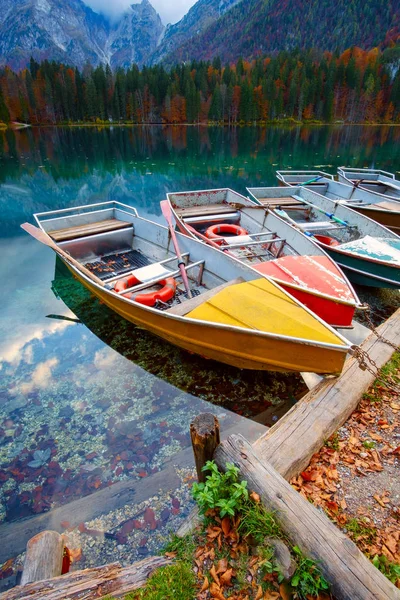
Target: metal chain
(367, 363)
(374, 329)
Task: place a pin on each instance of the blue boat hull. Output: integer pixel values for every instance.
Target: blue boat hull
(365, 272)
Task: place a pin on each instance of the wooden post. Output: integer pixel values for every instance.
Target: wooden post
(44, 556)
(204, 432)
(350, 574)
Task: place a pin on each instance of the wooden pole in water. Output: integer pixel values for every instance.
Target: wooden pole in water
(204, 432)
(44, 557)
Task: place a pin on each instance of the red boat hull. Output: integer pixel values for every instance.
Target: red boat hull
(315, 282)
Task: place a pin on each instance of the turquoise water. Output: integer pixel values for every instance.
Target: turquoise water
(86, 399)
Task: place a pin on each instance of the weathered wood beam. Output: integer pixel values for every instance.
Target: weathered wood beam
(349, 572)
(289, 445)
(98, 583)
(44, 557)
(204, 433)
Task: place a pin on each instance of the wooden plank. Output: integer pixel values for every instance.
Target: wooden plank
(279, 201)
(205, 209)
(289, 445)
(99, 583)
(78, 231)
(185, 307)
(349, 572)
(44, 557)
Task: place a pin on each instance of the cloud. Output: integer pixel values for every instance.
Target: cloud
(170, 12)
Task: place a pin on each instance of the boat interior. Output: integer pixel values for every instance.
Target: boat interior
(265, 236)
(355, 192)
(114, 243)
(377, 181)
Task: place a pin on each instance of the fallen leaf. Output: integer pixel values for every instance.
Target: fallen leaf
(171, 554)
(216, 592)
(75, 554)
(222, 566)
(226, 577)
(214, 575)
(285, 591)
(255, 497)
(206, 585)
(226, 525)
(259, 594)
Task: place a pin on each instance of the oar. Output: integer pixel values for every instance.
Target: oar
(283, 214)
(44, 238)
(166, 211)
(310, 180)
(62, 318)
(321, 210)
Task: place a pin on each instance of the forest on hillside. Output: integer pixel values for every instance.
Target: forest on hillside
(355, 86)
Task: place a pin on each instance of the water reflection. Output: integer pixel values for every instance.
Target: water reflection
(87, 399)
(47, 167)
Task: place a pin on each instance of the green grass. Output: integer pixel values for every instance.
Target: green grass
(175, 582)
(360, 529)
(258, 523)
(184, 547)
(390, 569)
(333, 442)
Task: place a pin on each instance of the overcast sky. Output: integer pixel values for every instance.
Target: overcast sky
(170, 11)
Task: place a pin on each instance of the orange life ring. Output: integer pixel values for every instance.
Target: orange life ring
(215, 231)
(325, 239)
(166, 293)
(125, 283)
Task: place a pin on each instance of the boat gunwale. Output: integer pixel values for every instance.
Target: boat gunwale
(346, 344)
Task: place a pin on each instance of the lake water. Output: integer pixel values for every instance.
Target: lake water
(88, 401)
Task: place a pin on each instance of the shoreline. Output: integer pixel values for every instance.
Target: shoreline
(262, 125)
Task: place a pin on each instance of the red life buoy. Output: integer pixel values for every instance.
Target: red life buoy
(215, 231)
(325, 239)
(166, 293)
(125, 283)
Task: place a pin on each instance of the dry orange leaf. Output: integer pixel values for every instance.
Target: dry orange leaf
(222, 566)
(170, 554)
(255, 497)
(285, 591)
(75, 554)
(214, 575)
(259, 594)
(226, 577)
(216, 592)
(206, 585)
(226, 525)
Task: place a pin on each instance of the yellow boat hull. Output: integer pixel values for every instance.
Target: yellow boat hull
(242, 348)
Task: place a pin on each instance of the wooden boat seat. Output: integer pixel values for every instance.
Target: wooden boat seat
(206, 209)
(279, 201)
(185, 307)
(78, 231)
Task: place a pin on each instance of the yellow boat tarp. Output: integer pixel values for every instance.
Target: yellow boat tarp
(262, 306)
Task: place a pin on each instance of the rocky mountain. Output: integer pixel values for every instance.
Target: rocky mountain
(199, 18)
(71, 32)
(255, 27)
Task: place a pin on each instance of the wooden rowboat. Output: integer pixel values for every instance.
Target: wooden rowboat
(365, 199)
(368, 252)
(270, 246)
(235, 315)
